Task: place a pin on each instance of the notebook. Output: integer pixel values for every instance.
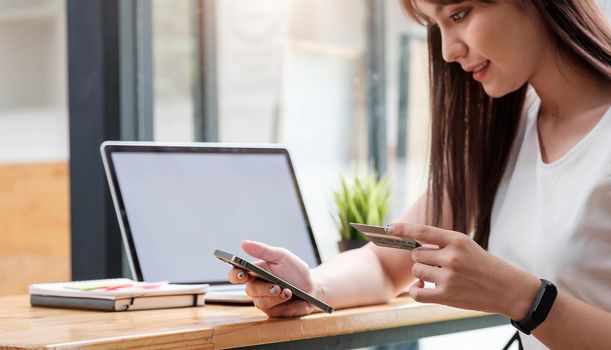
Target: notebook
(177, 203)
(119, 294)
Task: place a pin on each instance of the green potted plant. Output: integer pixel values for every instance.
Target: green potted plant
(364, 200)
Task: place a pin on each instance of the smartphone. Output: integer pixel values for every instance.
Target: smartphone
(258, 272)
(379, 236)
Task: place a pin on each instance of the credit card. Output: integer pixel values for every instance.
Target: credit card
(379, 236)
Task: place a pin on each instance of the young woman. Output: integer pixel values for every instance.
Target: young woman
(519, 196)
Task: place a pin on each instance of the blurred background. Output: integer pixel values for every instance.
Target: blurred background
(342, 83)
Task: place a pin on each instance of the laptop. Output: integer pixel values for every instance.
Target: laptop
(178, 202)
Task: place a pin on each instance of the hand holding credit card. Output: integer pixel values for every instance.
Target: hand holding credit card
(379, 236)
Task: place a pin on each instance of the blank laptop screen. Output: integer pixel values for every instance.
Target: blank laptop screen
(180, 207)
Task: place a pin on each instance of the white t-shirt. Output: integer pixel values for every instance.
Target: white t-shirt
(554, 220)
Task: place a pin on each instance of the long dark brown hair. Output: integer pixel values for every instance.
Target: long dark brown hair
(472, 133)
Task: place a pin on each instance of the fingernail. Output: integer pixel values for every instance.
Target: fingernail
(241, 275)
(272, 290)
(285, 294)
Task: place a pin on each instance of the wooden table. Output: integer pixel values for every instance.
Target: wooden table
(222, 326)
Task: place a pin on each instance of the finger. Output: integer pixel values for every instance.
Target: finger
(258, 288)
(262, 264)
(419, 293)
(426, 272)
(238, 276)
(292, 308)
(429, 256)
(265, 303)
(421, 233)
(263, 251)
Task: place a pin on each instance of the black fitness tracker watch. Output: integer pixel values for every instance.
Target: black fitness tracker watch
(540, 308)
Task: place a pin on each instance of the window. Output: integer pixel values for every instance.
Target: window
(174, 57)
(34, 210)
(291, 72)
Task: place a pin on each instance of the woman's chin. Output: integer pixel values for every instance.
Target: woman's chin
(497, 91)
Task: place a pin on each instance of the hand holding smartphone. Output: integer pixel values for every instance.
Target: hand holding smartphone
(379, 236)
(262, 274)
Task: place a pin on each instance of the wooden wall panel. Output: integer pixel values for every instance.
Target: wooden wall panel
(34, 225)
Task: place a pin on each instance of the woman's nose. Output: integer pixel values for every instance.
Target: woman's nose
(452, 48)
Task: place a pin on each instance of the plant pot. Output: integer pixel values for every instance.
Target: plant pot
(350, 244)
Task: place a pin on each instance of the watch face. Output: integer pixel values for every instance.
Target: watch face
(541, 305)
(545, 302)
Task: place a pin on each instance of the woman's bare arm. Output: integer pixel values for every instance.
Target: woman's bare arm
(573, 324)
(371, 274)
(364, 276)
